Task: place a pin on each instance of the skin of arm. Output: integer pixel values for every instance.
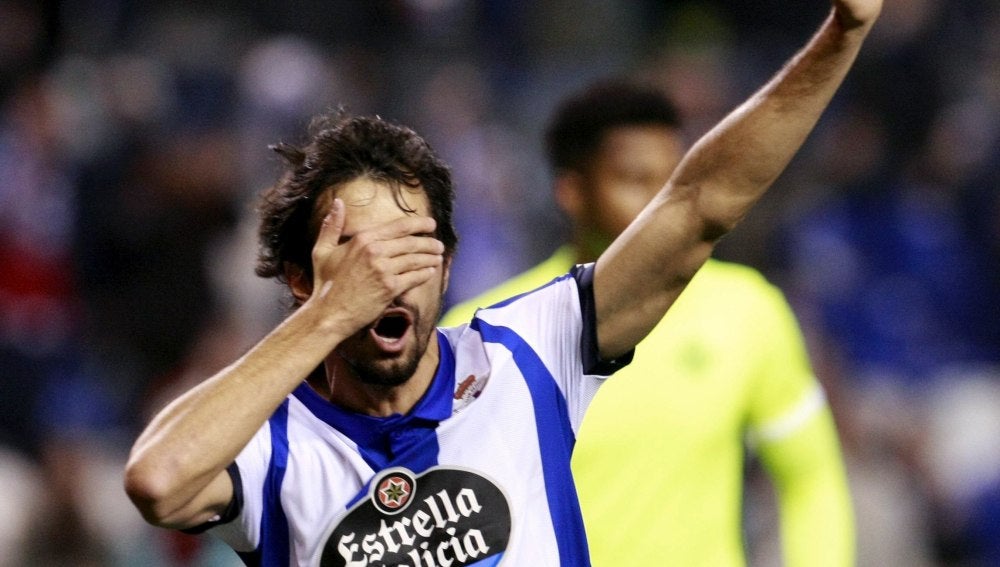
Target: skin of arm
(175, 473)
(718, 181)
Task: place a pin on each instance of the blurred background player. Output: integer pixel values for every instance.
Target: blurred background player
(725, 371)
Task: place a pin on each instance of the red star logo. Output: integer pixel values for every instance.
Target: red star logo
(393, 492)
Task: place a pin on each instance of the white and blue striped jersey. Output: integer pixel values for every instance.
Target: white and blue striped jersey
(478, 473)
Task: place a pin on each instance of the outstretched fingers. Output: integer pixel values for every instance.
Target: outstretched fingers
(376, 264)
(402, 259)
(329, 232)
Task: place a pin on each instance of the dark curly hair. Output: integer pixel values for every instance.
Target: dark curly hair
(581, 121)
(343, 148)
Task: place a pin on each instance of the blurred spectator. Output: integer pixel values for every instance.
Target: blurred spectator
(39, 354)
(28, 40)
(455, 103)
(893, 259)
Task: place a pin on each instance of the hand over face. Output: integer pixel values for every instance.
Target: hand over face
(362, 263)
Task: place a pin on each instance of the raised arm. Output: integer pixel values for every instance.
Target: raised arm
(721, 177)
(176, 472)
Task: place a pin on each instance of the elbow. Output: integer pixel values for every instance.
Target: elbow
(706, 214)
(713, 229)
(151, 490)
(719, 206)
(720, 214)
(718, 218)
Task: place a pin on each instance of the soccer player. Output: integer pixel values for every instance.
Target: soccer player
(658, 461)
(358, 433)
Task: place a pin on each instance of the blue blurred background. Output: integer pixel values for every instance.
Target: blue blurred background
(133, 139)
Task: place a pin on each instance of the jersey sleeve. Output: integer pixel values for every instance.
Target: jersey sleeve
(249, 472)
(793, 433)
(589, 347)
(558, 324)
(785, 392)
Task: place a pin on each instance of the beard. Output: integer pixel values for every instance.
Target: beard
(374, 368)
(388, 372)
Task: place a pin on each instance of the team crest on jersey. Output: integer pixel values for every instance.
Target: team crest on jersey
(445, 517)
(393, 492)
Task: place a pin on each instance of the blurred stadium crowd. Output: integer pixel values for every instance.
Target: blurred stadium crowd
(133, 138)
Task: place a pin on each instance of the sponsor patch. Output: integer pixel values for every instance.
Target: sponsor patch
(445, 517)
(467, 391)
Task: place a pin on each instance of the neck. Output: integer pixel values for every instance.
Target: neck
(345, 389)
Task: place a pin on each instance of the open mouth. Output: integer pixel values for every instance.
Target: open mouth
(392, 326)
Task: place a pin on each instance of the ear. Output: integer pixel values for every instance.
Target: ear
(298, 282)
(569, 195)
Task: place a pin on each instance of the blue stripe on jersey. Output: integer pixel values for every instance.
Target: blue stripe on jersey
(275, 546)
(555, 440)
(408, 440)
(489, 561)
(414, 442)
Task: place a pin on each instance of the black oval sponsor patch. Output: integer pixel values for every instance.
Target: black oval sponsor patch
(445, 517)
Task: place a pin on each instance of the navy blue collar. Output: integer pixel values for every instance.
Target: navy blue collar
(365, 430)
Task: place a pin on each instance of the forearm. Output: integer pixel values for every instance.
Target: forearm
(191, 441)
(732, 166)
(714, 186)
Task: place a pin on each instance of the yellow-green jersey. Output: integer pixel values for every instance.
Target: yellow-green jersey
(658, 461)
